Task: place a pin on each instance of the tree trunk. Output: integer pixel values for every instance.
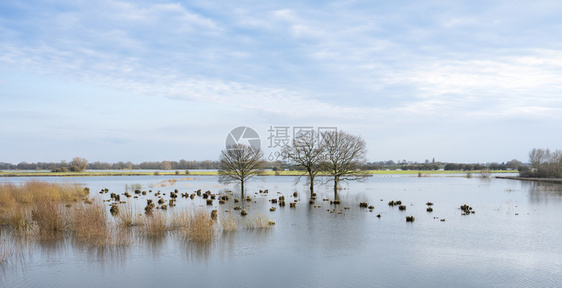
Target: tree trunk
(311, 186)
(336, 181)
(242, 189)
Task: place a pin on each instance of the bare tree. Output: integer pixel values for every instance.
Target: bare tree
(345, 153)
(538, 157)
(240, 163)
(546, 164)
(306, 152)
(78, 164)
(513, 164)
(166, 165)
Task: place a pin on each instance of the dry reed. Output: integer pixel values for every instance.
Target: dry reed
(128, 217)
(51, 219)
(227, 222)
(201, 226)
(90, 224)
(35, 191)
(19, 220)
(179, 221)
(155, 225)
(258, 221)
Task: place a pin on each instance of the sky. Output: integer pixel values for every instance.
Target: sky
(458, 81)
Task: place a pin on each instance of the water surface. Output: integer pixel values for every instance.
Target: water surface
(513, 240)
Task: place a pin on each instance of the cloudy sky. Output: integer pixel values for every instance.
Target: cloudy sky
(461, 81)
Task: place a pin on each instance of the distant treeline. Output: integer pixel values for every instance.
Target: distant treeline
(153, 165)
(208, 164)
(391, 165)
(64, 166)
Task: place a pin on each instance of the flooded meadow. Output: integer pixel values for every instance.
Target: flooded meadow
(509, 234)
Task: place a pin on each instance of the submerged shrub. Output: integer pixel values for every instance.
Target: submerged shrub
(114, 210)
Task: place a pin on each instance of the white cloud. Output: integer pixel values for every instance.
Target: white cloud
(285, 14)
(463, 21)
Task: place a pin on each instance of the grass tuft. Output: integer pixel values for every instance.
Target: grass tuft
(156, 225)
(90, 224)
(258, 221)
(201, 226)
(51, 219)
(128, 217)
(228, 223)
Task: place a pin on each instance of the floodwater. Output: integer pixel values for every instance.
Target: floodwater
(514, 239)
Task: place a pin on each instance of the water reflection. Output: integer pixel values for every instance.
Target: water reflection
(154, 245)
(197, 251)
(541, 192)
(51, 248)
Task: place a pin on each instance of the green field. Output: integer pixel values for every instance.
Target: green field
(207, 173)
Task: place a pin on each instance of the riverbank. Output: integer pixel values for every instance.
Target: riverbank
(424, 173)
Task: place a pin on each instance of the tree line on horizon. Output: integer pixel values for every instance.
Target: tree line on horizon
(148, 165)
(275, 165)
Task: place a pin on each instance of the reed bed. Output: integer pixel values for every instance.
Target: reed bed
(180, 220)
(38, 210)
(90, 224)
(35, 191)
(51, 219)
(201, 226)
(155, 225)
(128, 217)
(228, 223)
(38, 205)
(258, 221)
(19, 220)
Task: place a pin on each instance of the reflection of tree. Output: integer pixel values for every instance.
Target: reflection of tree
(540, 192)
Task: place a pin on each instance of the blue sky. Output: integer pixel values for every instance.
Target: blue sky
(461, 81)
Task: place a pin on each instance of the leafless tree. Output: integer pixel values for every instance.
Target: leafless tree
(345, 153)
(240, 163)
(166, 165)
(513, 164)
(538, 156)
(78, 164)
(306, 152)
(546, 164)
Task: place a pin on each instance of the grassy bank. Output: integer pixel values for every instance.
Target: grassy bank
(214, 173)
